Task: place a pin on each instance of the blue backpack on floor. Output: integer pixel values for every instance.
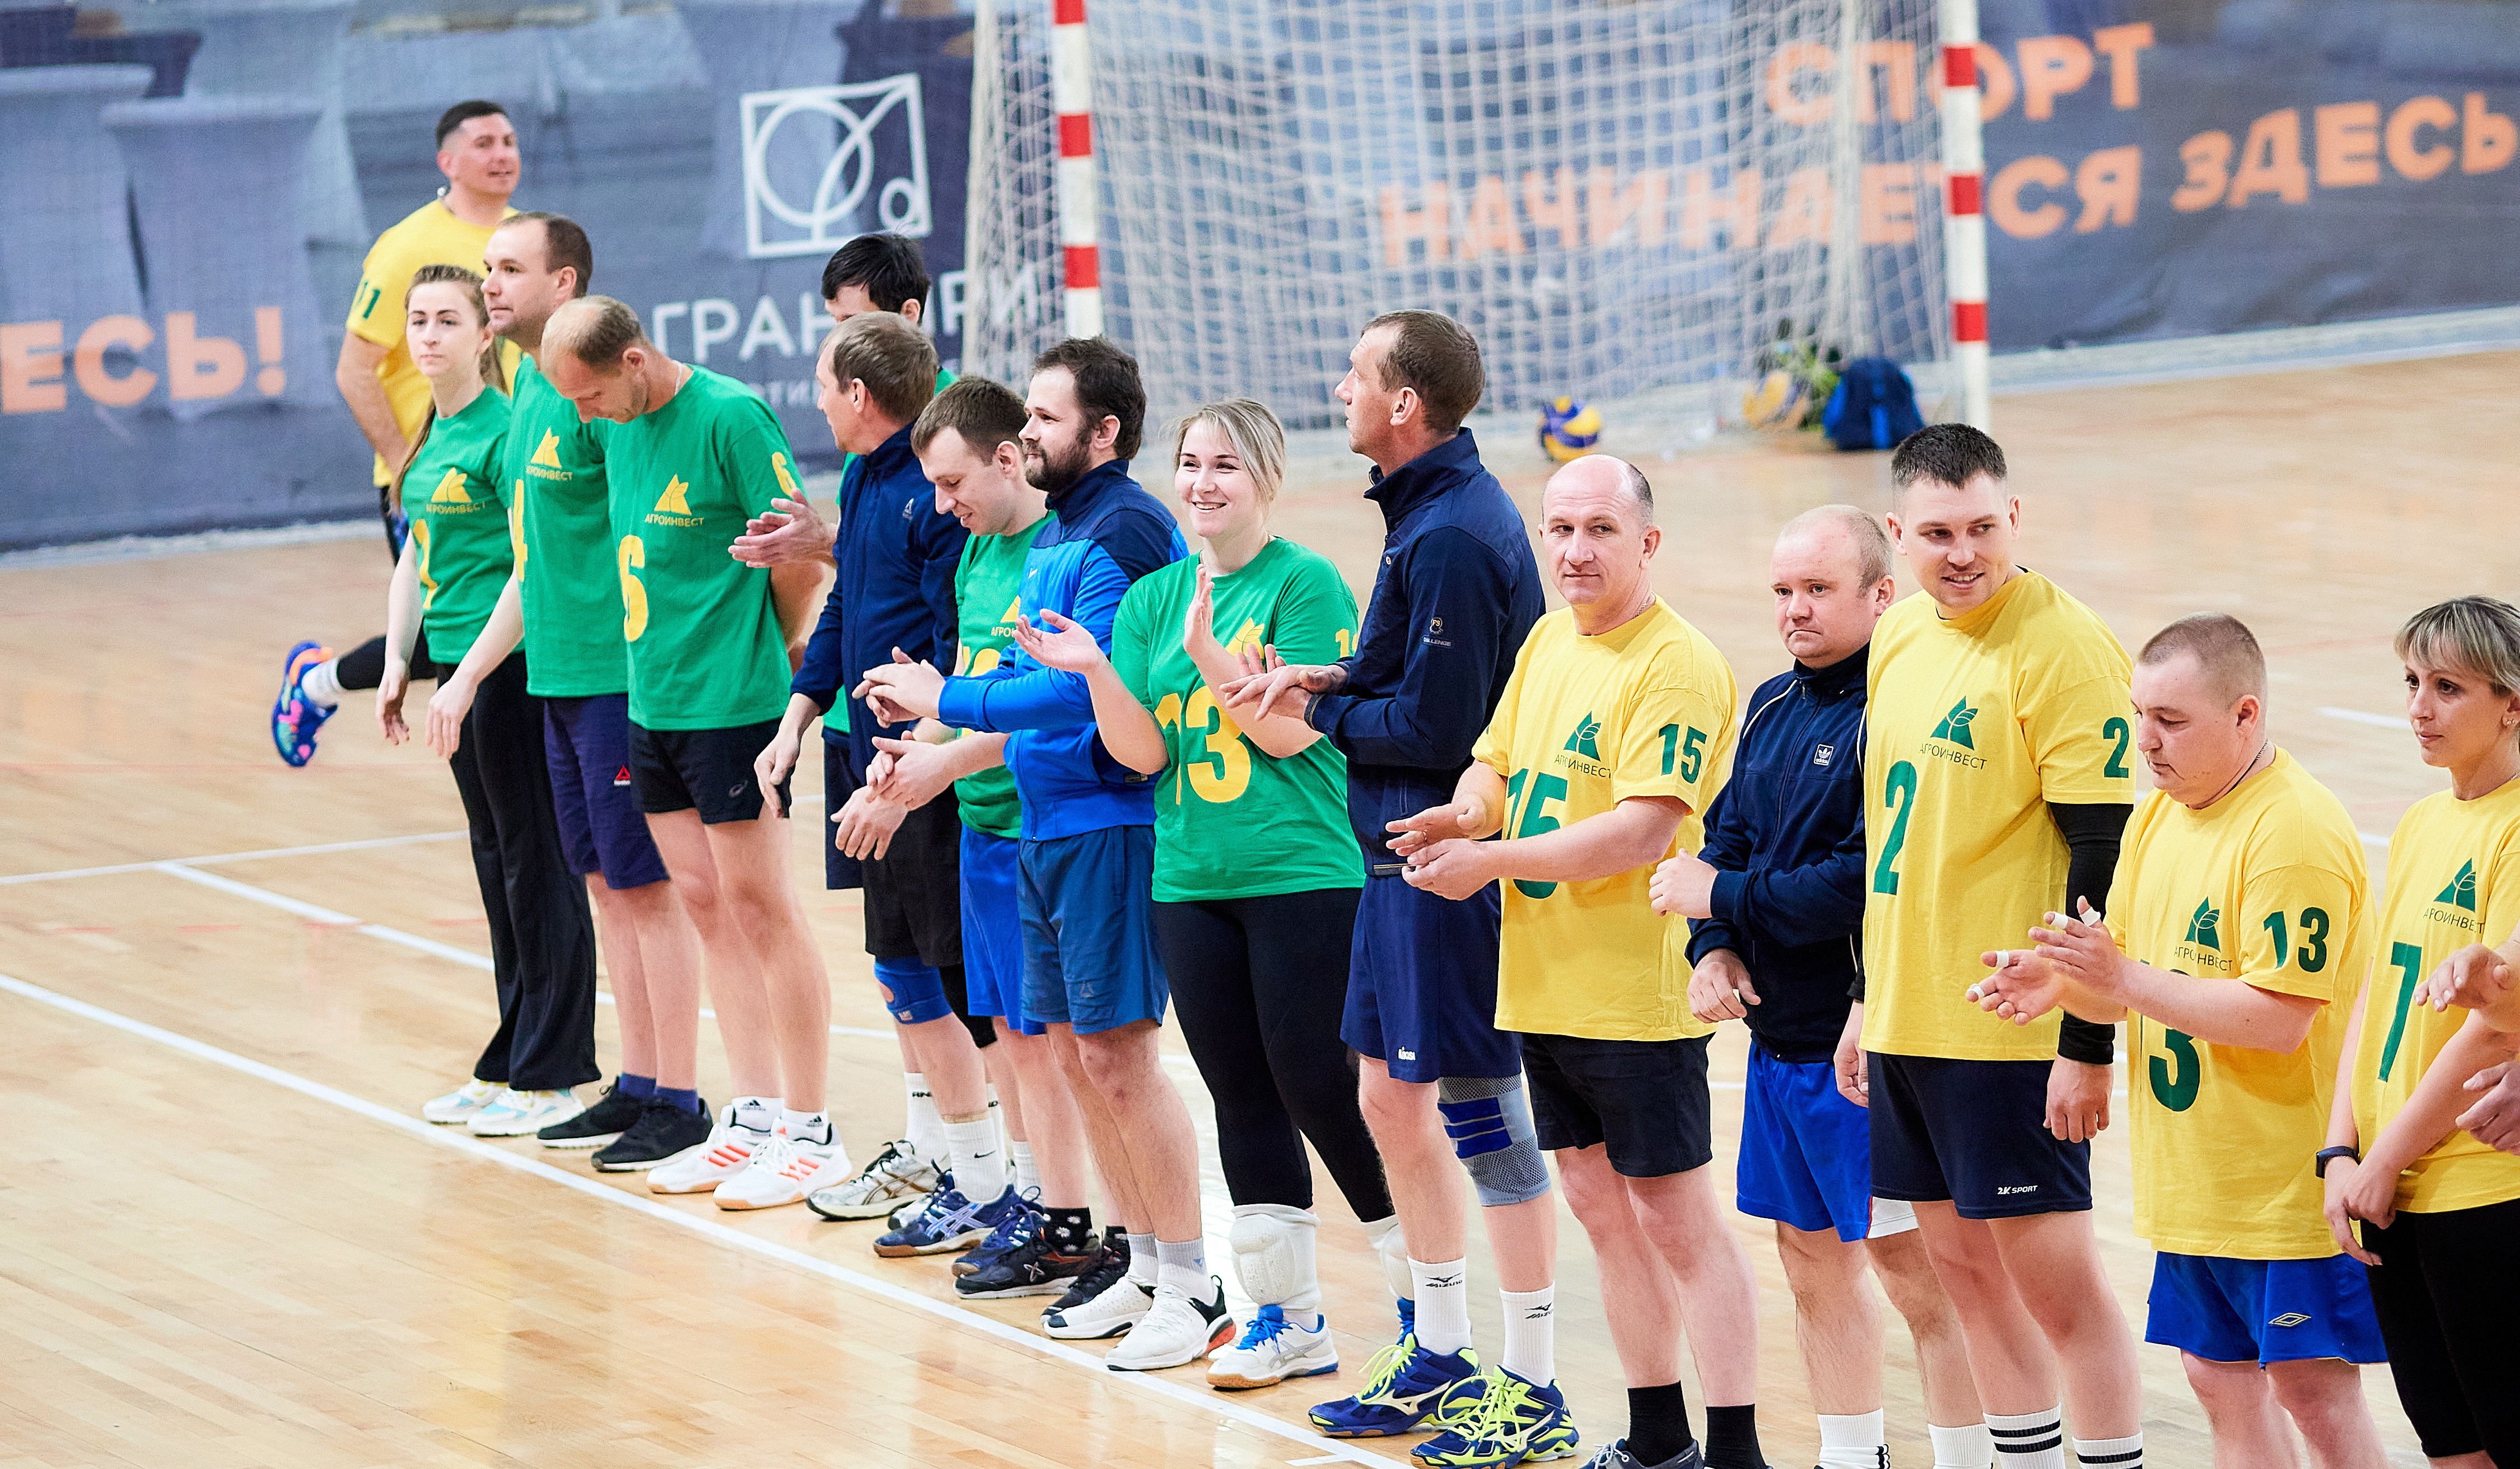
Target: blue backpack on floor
(1874, 406)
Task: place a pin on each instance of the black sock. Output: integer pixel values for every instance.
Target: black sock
(1658, 1423)
(1732, 1437)
(1071, 1231)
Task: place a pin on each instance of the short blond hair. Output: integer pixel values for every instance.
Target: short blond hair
(1865, 533)
(894, 359)
(2223, 647)
(1259, 440)
(596, 330)
(2478, 634)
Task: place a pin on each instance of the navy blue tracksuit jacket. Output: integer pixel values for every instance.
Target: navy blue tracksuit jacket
(1788, 832)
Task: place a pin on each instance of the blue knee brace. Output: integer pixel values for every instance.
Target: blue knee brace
(913, 992)
(1489, 1120)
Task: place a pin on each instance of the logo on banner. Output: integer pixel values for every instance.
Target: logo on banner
(809, 165)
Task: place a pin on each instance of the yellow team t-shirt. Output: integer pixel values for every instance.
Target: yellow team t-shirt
(2267, 887)
(429, 235)
(1974, 724)
(2454, 880)
(1645, 709)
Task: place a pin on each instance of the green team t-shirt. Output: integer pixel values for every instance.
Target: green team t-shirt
(459, 523)
(705, 648)
(837, 718)
(985, 588)
(563, 513)
(1230, 820)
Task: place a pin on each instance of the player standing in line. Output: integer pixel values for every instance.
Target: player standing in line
(711, 646)
(1777, 896)
(561, 602)
(1998, 778)
(2238, 928)
(1090, 971)
(1456, 591)
(1620, 716)
(387, 396)
(455, 566)
(2439, 1208)
(1256, 874)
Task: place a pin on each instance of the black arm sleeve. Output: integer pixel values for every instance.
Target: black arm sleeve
(2092, 833)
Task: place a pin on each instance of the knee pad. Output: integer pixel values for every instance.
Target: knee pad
(1391, 1245)
(1489, 1121)
(1272, 1254)
(958, 993)
(914, 993)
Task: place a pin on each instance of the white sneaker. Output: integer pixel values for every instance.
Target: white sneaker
(898, 1175)
(1174, 1329)
(786, 1171)
(1271, 1350)
(459, 1105)
(516, 1114)
(727, 1153)
(1122, 1304)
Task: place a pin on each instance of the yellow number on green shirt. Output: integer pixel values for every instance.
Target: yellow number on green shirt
(1346, 642)
(634, 596)
(420, 538)
(517, 524)
(972, 663)
(1224, 773)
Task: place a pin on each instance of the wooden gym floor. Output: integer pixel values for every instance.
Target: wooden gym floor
(225, 987)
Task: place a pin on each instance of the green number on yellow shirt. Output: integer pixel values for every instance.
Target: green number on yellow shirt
(2409, 960)
(2176, 1091)
(2116, 729)
(1899, 790)
(1532, 817)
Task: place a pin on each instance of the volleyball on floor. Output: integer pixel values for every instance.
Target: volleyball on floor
(1569, 428)
(1778, 402)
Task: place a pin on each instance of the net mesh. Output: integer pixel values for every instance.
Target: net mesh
(1615, 198)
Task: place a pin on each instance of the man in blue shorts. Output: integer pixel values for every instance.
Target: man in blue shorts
(1776, 893)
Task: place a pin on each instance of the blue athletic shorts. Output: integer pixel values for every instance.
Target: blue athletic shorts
(1974, 1132)
(1806, 1150)
(1421, 983)
(992, 933)
(2263, 1310)
(1088, 905)
(586, 741)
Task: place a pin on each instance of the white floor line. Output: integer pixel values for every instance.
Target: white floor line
(2397, 722)
(1173, 1392)
(216, 857)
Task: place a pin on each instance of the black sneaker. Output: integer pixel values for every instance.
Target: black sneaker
(611, 1116)
(662, 1131)
(1109, 1264)
(1035, 1267)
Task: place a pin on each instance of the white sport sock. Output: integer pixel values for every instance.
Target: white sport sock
(322, 684)
(1182, 1265)
(926, 1129)
(1143, 1259)
(1530, 1334)
(759, 1114)
(806, 1127)
(2029, 1440)
(980, 1160)
(2111, 1454)
(1027, 1173)
(1852, 1441)
(1967, 1447)
(1442, 1292)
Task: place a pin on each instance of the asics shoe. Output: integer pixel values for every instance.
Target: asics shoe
(1273, 1348)
(786, 1171)
(513, 1113)
(1012, 1233)
(1177, 1328)
(296, 717)
(727, 1151)
(1108, 1263)
(663, 1133)
(898, 1175)
(950, 1221)
(459, 1105)
(1123, 1303)
(1035, 1267)
(611, 1116)
(1402, 1384)
(1615, 1456)
(1509, 1421)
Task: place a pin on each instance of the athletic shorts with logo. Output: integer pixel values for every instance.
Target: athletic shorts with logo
(1974, 1132)
(993, 931)
(913, 892)
(2263, 1310)
(1646, 1100)
(586, 741)
(709, 771)
(1422, 984)
(1807, 1154)
(1088, 908)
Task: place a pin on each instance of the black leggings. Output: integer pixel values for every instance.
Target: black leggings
(2447, 1297)
(364, 666)
(1260, 984)
(542, 935)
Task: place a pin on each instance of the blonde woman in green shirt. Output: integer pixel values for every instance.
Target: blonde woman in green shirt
(452, 571)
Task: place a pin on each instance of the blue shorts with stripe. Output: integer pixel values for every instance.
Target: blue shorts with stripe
(1421, 983)
(993, 942)
(586, 742)
(1806, 1150)
(2263, 1310)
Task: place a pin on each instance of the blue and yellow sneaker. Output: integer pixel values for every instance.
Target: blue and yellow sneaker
(294, 718)
(1401, 1385)
(1502, 1422)
(950, 1221)
(1021, 1227)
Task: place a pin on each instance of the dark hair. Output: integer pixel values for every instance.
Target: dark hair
(891, 357)
(1437, 358)
(887, 267)
(494, 373)
(1106, 386)
(463, 112)
(985, 414)
(565, 243)
(1952, 454)
(595, 329)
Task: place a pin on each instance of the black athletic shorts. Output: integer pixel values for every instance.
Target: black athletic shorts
(1974, 1132)
(678, 769)
(914, 893)
(1647, 1099)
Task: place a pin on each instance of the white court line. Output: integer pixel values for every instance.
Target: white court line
(2397, 722)
(200, 862)
(1173, 1392)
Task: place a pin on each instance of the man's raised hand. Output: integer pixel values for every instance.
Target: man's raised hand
(1068, 646)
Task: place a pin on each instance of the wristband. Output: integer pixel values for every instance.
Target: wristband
(2087, 1040)
(2318, 1165)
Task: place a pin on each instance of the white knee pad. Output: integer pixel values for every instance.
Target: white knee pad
(1393, 1247)
(1272, 1256)
(1489, 1122)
